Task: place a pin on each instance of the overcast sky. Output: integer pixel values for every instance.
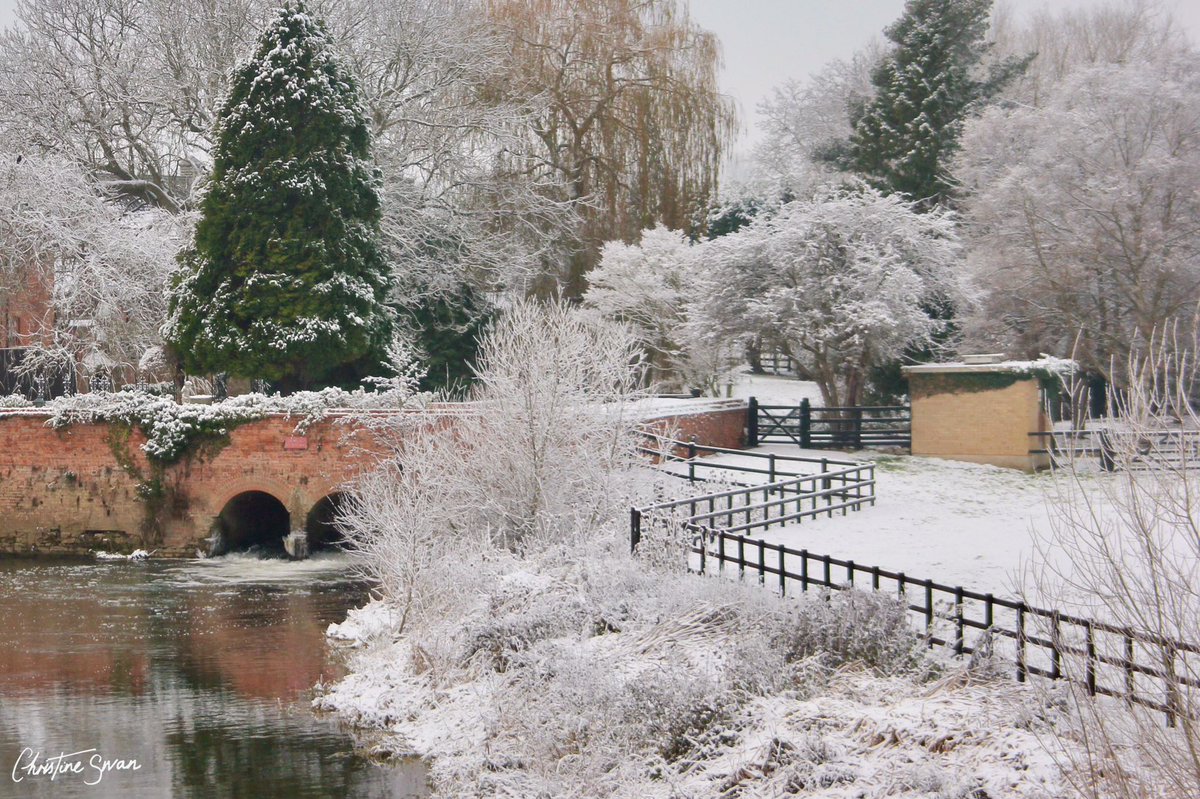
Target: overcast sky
(768, 41)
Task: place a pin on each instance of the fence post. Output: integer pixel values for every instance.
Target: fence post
(959, 632)
(858, 422)
(771, 466)
(1021, 642)
(741, 542)
(762, 562)
(804, 570)
(805, 424)
(752, 422)
(825, 560)
(782, 571)
(721, 553)
(1055, 655)
(929, 611)
(635, 529)
(1091, 661)
(1129, 655)
(850, 572)
(692, 461)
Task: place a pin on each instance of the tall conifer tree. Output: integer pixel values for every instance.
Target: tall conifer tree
(907, 133)
(285, 279)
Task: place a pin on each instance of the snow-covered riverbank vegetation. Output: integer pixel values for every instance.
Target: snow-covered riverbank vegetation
(595, 677)
(519, 646)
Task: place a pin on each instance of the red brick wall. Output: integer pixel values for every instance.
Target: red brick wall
(65, 491)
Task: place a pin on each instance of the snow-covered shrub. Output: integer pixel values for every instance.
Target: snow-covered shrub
(539, 463)
(172, 429)
(14, 401)
(852, 627)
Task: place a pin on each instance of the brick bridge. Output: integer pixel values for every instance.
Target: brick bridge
(75, 490)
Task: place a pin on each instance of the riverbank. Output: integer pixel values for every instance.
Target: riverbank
(598, 678)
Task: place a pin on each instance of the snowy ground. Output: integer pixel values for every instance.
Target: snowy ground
(825, 731)
(774, 389)
(953, 522)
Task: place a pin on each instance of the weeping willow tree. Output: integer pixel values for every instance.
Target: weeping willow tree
(630, 123)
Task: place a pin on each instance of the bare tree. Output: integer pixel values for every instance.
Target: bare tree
(628, 115)
(1125, 548)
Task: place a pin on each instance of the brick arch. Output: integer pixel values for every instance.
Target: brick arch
(276, 489)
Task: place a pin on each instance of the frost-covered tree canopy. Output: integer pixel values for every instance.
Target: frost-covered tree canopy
(103, 272)
(841, 282)
(1084, 211)
(286, 280)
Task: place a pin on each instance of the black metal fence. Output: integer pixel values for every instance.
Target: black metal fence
(32, 387)
(1109, 660)
(851, 427)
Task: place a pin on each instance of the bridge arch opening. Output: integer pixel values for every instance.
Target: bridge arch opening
(322, 523)
(253, 519)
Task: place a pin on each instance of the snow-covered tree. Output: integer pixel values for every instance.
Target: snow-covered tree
(539, 463)
(907, 133)
(104, 271)
(285, 280)
(131, 90)
(647, 285)
(840, 282)
(807, 124)
(1085, 221)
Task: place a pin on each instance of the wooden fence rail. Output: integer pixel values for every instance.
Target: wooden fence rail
(1106, 659)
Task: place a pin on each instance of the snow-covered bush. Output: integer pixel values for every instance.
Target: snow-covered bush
(538, 462)
(842, 283)
(852, 627)
(172, 429)
(14, 401)
(613, 681)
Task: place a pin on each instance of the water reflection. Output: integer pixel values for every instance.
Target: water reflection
(199, 671)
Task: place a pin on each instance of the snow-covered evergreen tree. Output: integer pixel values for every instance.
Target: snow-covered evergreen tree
(909, 130)
(285, 279)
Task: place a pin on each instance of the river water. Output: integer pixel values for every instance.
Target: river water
(200, 671)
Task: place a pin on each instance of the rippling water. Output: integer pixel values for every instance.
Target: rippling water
(200, 671)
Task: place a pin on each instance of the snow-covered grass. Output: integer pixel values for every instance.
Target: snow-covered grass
(957, 523)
